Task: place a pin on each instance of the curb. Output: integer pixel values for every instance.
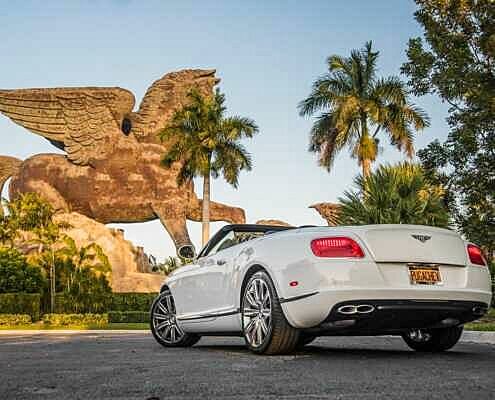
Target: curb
(478, 337)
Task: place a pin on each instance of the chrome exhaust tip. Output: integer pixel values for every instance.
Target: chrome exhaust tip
(351, 309)
(365, 309)
(479, 311)
(347, 309)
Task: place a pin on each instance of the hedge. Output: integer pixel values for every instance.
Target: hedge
(128, 317)
(132, 301)
(14, 319)
(21, 303)
(75, 319)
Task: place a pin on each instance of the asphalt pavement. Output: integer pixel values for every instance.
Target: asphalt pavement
(132, 366)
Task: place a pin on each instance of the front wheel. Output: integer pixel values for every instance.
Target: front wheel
(265, 328)
(433, 340)
(164, 326)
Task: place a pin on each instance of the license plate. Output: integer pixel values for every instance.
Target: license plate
(421, 275)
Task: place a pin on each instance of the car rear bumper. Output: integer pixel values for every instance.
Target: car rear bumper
(392, 305)
(396, 316)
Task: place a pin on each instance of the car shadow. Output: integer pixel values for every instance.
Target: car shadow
(333, 352)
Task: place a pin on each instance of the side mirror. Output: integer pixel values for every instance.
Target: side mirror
(187, 252)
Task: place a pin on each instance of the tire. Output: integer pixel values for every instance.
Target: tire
(264, 326)
(164, 326)
(304, 340)
(436, 340)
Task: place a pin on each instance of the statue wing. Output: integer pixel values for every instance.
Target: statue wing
(78, 120)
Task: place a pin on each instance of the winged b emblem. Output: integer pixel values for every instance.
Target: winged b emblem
(422, 238)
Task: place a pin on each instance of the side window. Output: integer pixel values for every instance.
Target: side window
(225, 243)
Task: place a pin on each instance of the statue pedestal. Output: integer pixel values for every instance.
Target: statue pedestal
(126, 259)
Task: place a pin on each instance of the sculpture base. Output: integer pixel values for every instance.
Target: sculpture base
(126, 260)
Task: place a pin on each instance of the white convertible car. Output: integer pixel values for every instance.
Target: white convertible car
(281, 287)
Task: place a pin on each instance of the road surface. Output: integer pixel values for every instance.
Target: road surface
(132, 366)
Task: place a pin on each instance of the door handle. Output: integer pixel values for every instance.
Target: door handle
(221, 262)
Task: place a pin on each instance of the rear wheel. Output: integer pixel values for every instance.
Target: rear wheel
(265, 328)
(433, 340)
(164, 326)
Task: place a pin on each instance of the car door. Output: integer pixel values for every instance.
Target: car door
(206, 287)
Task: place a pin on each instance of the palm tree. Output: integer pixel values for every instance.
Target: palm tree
(356, 106)
(207, 144)
(398, 194)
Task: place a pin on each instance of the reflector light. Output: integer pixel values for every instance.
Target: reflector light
(336, 247)
(294, 283)
(476, 255)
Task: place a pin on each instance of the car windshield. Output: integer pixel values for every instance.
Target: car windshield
(232, 235)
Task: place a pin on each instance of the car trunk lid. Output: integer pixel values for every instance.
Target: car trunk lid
(414, 244)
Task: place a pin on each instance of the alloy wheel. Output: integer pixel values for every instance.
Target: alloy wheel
(257, 312)
(419, 335)
(164, 320)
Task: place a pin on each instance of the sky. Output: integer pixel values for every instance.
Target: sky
(267, 54)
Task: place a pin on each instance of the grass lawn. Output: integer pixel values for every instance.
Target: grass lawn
(487, 323)
(110, 326)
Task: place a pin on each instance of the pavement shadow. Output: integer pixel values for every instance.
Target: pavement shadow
(335, 352)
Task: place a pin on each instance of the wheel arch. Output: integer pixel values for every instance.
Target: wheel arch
(252, 269)
(164, 287)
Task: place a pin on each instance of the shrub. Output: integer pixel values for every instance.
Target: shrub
(132, 301)
(82, 320)
(21, 303)
(16, 275)
(394, 194)
(87, 293)
(128, 316)
(14, 319)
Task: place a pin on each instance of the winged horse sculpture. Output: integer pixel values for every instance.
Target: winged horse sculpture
(111, 169)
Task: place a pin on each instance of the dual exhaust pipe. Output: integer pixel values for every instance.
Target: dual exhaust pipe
(351, 309)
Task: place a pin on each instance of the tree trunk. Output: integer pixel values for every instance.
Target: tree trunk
(206, 208)
(52, 283)
(366, 165)
(366, 162)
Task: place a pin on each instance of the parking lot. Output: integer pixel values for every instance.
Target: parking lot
(132, 366)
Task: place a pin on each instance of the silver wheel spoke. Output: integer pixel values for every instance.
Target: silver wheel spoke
(249, 312)
(162, 325)
(266, 312)
(259, 334)
(250, 299)
(162, 308)
(250, 325)
(264, 326)
(169, 304)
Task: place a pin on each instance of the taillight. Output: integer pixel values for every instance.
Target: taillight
(476, 255)
(336, 247)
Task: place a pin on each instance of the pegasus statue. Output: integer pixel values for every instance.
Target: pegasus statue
(111, 169)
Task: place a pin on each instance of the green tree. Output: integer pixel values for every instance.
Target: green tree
(30, 213)
(91, 256)
(208, 145)
(16, 275)
(455, 61)
(355, 106)
(7, 231)
(398, 194)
